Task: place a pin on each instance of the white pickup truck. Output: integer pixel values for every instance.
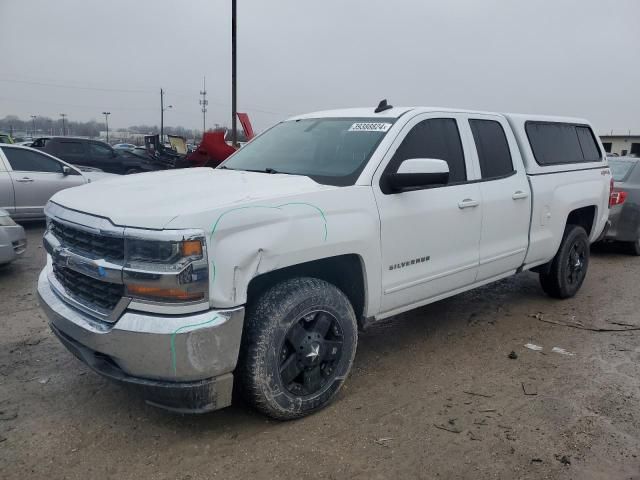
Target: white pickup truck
(260, 272)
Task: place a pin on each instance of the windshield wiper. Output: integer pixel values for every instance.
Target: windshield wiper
(265, 170)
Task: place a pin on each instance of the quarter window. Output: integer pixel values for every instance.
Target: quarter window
(434, 138)
(561, 143)
(28, 161)
(493, 148)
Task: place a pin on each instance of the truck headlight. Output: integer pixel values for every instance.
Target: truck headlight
(166, 271)
(164, 252)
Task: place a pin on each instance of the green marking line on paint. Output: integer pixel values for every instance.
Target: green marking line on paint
(173, 340)
(272, 207)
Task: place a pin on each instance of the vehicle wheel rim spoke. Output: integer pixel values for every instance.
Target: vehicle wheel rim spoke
(296, 335)
(290, 369)
(312, 379)
(323, 324)
(332, 350)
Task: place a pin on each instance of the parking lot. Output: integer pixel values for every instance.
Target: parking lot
(433, 393)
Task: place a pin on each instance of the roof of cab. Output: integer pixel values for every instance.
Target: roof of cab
(396, 112)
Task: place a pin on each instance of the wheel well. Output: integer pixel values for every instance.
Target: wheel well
(343, 271)
(584, 217)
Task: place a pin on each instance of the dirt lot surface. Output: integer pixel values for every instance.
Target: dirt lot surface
(433, 394)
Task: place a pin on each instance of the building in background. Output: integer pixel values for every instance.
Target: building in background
(622, 145)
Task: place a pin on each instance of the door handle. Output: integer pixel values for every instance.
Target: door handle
(468, 203)
(519, 194)
(24, 180)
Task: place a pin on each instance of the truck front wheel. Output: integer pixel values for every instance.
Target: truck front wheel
(569, 266)
(299, 343)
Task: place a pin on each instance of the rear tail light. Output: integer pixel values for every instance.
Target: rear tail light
(617, 196)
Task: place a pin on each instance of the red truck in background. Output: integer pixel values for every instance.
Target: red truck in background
(213, 148)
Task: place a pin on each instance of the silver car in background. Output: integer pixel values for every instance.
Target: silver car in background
(30, 177)
(625, 202)
(13, 241)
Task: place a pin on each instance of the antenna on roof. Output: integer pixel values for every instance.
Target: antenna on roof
(382, 106)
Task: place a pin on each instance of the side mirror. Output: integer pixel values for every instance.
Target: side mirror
(419, 173)
(66, 170)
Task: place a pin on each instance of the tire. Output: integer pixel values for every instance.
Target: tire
(298, 346)
(569, 266)
(634, 248)
(131, 171)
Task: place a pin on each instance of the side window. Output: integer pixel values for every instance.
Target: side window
(590, 150)
(434, 138)
(493, 148)
(69, 148)
(100, 151)
(28, 161)
(561, 143)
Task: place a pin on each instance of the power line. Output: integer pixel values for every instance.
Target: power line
(59, 85)
(177, 93)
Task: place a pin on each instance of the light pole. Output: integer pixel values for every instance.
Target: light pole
(106, 121)
(234, 28)
(63, 115)
(33, 119)
(162, 110)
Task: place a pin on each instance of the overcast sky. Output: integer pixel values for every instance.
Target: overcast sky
(80, 57)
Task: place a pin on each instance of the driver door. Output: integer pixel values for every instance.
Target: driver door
(430, 237)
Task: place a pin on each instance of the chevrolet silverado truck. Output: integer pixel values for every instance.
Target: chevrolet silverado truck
(258, 274)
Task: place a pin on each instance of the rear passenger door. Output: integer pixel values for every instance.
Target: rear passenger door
(506, 197)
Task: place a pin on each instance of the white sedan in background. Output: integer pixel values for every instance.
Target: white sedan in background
(13, 241)
(30, 177)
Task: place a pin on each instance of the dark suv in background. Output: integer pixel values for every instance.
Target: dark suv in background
(93, 153)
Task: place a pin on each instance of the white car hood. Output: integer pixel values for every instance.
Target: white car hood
(152, 200)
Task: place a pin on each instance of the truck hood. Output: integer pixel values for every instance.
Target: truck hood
(152, 200)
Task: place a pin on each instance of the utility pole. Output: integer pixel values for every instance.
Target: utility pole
(63, 115)
(203, 103)
(33, 119)
(106, 120)
(162, 110)
(234, 29)
(161, 114)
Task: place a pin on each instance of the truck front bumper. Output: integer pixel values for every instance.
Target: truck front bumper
(182, 363)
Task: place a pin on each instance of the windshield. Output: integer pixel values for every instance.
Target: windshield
(331, 151)
(620, 168)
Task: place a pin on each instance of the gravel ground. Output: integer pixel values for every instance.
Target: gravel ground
(433, 394)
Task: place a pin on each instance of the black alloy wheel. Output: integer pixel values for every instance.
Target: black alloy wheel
(576, 262)
(568, 269)
(310, 353)
(299, 342)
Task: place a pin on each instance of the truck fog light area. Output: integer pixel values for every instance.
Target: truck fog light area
(164, 294)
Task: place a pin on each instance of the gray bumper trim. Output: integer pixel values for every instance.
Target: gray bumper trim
(168, 348)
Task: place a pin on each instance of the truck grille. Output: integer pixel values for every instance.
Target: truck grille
(99, 246)
(88, 290)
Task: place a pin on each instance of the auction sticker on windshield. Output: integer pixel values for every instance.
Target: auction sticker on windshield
(369, 127)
